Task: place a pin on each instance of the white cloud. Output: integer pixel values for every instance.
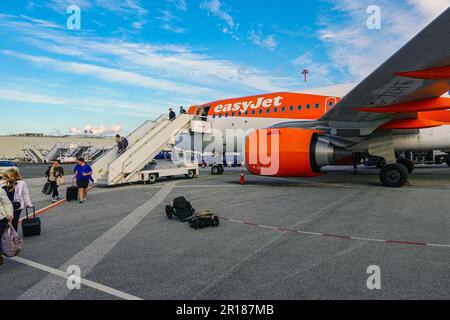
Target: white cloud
(171, 28)
(319, 73)
(215, 8)
(108, 74)
(183, 63)
(97, 130)
(174, 74)
(431, 9)
(179, 4)
(10, 94)
(92, 104)
(357, 51)
(268, 42)
(42, 23)
(128, 7)
(168, 19)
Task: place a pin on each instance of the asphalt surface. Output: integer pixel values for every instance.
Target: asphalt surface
(123, 240)
(30, 171)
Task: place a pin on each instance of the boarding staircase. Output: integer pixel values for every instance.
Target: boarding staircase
(145, 143)
(56, 152)
(34, 154)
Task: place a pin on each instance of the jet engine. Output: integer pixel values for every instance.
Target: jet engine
(290, 152)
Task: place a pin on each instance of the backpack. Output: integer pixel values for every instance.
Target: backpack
(124, 143)
(183, 209)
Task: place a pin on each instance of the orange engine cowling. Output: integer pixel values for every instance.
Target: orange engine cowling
(284, 152)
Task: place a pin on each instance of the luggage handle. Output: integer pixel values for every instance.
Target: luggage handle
(34, 212)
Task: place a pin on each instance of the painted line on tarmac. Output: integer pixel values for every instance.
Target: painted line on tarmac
(336, 236)
(88, 258)
(85, 282)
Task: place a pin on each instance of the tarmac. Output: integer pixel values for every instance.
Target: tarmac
(279, 238)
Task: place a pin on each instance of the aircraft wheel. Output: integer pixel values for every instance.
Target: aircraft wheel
(408, 164)
(394, 175)
(447, 160)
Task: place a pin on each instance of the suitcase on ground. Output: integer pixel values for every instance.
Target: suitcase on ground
(47, 190)
(72, 193)
(31, 226)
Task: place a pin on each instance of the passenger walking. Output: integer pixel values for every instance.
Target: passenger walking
(172, 114)
(6, 216)
(182, 111)
(82, 175)
(56, 178)
(122, 143)
(18, 194)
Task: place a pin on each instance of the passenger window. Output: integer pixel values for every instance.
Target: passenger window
(220, 116)
(283, 109)
(317, 106)
(330, 104)
(232, 114)
(308, 106)
(268, 110)
(246, 113)
(214, 116)
(253, 112)
(260, 111)
(299, 108)
(292, 108)
(275, 110)
(226, 115)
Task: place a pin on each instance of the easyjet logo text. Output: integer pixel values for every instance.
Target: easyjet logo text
(246, 105)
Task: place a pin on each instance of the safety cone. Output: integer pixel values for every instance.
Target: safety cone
(242, 182)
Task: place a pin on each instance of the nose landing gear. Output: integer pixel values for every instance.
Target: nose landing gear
(394, 175)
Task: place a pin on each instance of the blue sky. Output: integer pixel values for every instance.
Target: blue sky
(132, 59)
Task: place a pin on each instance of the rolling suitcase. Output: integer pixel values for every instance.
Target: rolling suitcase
(47, 190)
(31, 226)
(72, 193)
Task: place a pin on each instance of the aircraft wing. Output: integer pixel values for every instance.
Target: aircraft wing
(410, 82)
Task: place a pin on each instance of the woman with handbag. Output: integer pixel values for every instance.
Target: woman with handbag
(56, 178)
(18, 194)
(6, 216)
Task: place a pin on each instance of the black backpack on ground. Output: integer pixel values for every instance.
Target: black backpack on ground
(181, 208)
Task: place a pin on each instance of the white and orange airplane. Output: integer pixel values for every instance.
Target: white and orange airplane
(399, 107)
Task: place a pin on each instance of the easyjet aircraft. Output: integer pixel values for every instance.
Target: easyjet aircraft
(399, 107)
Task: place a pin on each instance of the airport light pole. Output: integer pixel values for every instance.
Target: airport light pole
(305, 74)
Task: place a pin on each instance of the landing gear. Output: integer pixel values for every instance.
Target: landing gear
(394, 175)
(407, 163)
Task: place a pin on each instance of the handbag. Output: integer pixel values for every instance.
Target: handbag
(60, 181)
(11, 242)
